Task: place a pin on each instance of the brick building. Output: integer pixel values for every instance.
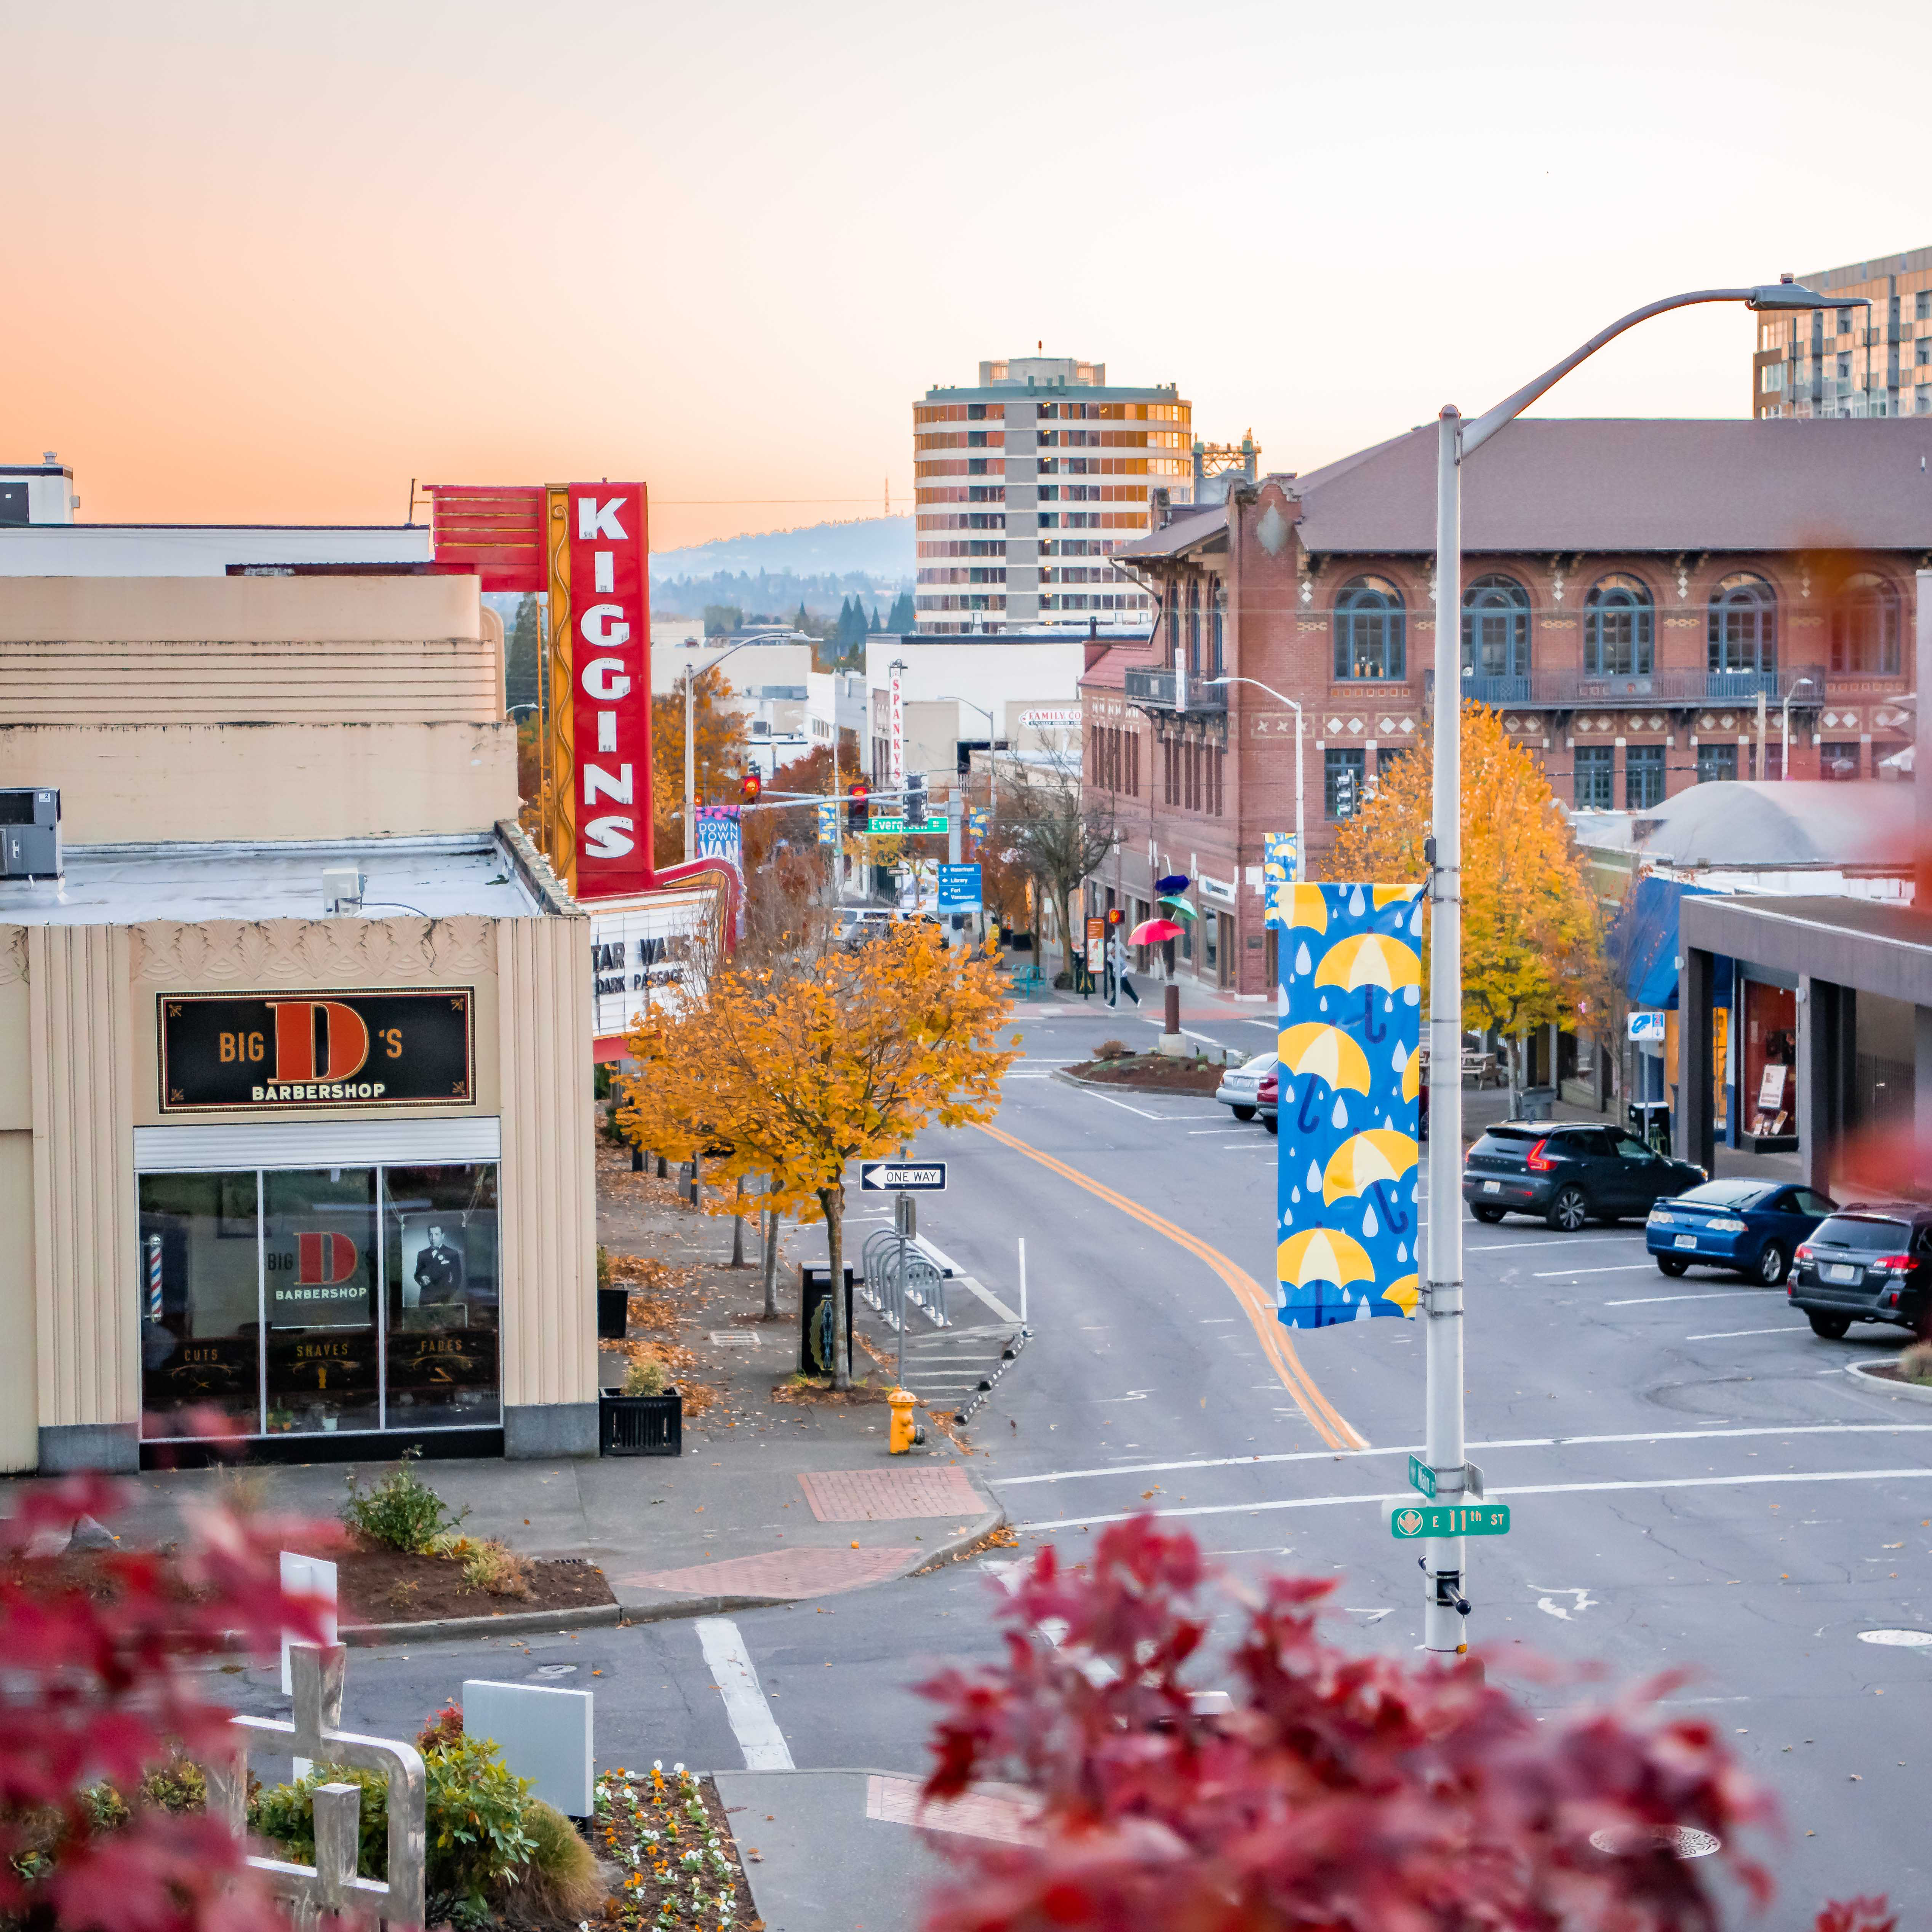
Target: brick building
(1631, 591)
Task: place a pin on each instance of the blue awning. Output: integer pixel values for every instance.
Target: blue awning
(1643, 942)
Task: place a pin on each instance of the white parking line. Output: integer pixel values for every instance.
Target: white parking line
(1498, 1493)
(1728, 1334)
(1501, 1442)
(1547, 1241)
(1708, 1294)
(1622, 1268)
(750, 1717)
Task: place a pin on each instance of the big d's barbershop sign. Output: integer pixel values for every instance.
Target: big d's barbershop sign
(285, 1052)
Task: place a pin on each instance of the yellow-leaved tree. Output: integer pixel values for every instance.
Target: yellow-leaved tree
(790, 1074)
(1532, 951)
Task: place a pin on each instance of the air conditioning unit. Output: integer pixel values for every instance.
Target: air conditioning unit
(30, 843)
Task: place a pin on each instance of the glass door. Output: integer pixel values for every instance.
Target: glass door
(320, 1291)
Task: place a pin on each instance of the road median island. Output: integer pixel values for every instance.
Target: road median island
(1146, 1073)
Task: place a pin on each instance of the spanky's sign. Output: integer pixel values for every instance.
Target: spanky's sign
(611, 632)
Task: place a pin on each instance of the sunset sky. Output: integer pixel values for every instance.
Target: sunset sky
(266, 263)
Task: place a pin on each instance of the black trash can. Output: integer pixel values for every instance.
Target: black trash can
(613, 1312)
(815, 1332)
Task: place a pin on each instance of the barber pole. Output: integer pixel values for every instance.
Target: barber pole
(153, 1246)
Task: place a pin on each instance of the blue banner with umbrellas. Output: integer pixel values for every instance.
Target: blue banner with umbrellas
(1350, 1007)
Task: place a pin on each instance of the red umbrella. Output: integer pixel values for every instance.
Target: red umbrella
(1154, 932)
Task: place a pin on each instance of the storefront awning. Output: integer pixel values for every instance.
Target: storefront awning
(1644, 943)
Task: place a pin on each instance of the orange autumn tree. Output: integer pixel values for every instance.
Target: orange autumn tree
(1532, 953)
(792, 1075)
(718, 734)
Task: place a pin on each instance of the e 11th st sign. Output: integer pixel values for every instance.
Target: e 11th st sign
(882, 1177)
(1411, 1521)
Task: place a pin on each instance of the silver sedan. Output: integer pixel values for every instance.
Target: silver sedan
(1240, 1085)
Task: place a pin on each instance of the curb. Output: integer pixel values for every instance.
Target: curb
(948, 1550)
(1863, 1372)
(1060, 1074)
(590, 1616)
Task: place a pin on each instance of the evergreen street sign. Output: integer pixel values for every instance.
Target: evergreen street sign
(1409, 1522)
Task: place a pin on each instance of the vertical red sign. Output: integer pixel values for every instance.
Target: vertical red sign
(610, 655)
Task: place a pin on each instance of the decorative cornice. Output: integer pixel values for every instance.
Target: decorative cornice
(315, 951)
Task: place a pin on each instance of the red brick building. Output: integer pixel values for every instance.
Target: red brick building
(1631, 590)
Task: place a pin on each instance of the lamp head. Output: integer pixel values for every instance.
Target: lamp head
(1787, 294)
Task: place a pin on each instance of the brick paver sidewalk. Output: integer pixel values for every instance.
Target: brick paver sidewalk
(890, 1495)
(788, 1573)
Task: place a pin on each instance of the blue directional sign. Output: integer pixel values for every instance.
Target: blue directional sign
(959, 889)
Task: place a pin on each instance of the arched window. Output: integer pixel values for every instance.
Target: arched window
(1865, 628)
(1743, 627)
(1618, 619)
(1220, 639)
(1194, 627)
(1495, 640)
(1368, 640)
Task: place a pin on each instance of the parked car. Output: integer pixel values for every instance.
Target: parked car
(1568, 1174)
(1866, 1264)
(1239, 1085)
(1751, 1227)
(1268, 1100)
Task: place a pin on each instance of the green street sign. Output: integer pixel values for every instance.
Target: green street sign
(1410, 1523)
(879, 826)
(1422, 1477)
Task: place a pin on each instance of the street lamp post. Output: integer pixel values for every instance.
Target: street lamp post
(690, 675)
(1444, 1605)
(1786, 760)
(1300, 848)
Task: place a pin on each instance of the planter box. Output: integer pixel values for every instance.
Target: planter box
(641, 1425)
(614, 1308)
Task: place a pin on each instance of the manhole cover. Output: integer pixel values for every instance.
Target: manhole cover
(554, 1670)
(1914, 1638)
(1686, 1841)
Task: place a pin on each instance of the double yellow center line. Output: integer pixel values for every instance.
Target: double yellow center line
(1257, 1303)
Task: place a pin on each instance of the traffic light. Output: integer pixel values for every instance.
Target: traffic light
(1345, 793)
(858, 806)
(1115, 917)
(915, 799)
(749, 787)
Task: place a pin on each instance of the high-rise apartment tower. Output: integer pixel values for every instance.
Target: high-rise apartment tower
(1852, 361)
(1024, 483)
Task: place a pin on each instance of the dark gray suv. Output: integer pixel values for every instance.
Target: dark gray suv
(1869, 1264)
(1568, 1174)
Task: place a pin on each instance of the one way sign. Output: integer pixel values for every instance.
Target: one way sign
(880, 1176)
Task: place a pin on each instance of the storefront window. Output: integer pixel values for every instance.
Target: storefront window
(319, 1275)
(376, 1290)
(440, 1224)
(200, 1305)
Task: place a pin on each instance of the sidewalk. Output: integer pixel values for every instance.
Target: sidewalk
(771, 1501)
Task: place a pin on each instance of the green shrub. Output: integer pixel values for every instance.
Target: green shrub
(561, 1880)
(476, 1816)
(401, 1511)
(647, 1377)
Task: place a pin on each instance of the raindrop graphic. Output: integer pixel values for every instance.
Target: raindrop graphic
(1287, 1093)
(1362, 1309)
(1388, 1005)
(1314, 1177)
(1355, 903)
(1402, 1252)
(1324, 1002)
(1341, 1116)
(1371, 1227)
(1411, 996)
(1303, 964)
(1398, 1059)
(1415, 918)
(1294, 1194)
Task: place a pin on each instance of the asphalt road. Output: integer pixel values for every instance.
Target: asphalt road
(1696, 1485)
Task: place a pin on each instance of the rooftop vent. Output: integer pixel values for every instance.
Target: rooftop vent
(30, 842)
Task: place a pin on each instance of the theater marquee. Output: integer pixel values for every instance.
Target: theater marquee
(283, 1053)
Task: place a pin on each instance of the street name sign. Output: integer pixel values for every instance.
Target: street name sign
(879, 825)
(1408, 1522)
(881, 1177)
(1422, 1477)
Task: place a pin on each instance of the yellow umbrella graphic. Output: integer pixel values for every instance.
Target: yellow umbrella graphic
(1394, 894)
(1377, 1153)
(1302, 905)
(1404, 1293)
(1326, 1052)
(1323, 1254)
(1370, 959)
(1411, 1075)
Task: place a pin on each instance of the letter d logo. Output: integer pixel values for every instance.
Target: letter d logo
(322, 1259)
(345, 1036)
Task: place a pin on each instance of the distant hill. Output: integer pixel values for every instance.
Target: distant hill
(879, 547)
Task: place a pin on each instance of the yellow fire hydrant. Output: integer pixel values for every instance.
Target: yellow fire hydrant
(907, 1434)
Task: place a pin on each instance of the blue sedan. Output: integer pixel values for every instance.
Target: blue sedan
(1749, 1227)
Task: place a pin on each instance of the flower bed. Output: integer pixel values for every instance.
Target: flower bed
(670, 1838)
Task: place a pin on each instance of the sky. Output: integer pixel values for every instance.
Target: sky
(269, 263)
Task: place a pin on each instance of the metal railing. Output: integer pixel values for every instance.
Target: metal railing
(1552, 690)
(1157, 687)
